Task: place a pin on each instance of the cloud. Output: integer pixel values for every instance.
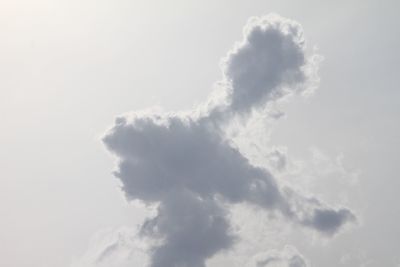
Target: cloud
(194, 229)
(115, 248)
(186, 164)
(288, 257)
(269, 60)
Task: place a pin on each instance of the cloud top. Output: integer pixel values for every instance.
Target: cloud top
(268, 62)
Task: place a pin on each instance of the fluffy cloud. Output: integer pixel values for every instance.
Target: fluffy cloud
(269, 62)
(186, 164)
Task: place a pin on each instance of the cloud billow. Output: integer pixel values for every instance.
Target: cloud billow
(269, 58)
(185, 163)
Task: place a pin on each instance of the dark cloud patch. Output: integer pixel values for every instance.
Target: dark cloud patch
(268, 61)
(329, 221)
(193, 229)
(185, 164)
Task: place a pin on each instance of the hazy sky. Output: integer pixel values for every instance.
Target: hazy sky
(68, 68)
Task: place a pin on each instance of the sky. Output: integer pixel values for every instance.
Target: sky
(69, 68)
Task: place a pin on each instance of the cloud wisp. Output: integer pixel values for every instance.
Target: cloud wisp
(186, 164)
(288, 257)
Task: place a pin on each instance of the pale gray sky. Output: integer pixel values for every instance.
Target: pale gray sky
(69, 67)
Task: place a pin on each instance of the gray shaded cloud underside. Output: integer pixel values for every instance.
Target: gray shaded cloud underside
(185, 162)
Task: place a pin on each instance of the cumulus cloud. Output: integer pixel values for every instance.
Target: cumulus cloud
(186, 164)
(269, 58)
